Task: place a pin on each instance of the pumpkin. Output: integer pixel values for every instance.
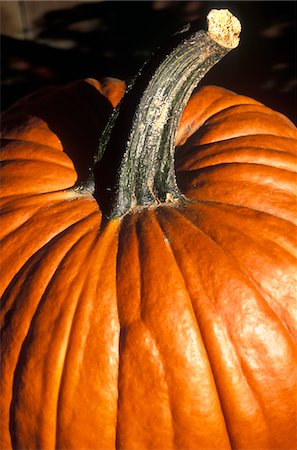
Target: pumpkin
(168, 322)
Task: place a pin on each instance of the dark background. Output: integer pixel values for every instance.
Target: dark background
(54, 42)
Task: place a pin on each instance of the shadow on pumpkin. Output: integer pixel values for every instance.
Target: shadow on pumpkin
(77, 114)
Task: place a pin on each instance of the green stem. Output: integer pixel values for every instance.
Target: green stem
(145, 174)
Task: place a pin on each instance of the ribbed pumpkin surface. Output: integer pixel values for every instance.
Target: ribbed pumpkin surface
(171, 328)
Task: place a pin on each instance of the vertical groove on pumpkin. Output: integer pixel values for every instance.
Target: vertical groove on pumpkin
(12, 298)
(141, 256)
(244, 268)
(51, 222)
(70, 331)
(233, 444)
(118, 445)
(250, 379)
(117, 426)
(88, 301)
(148, 250)
(168, 240)
(22, 355)
(40, 253)
(228, 255)
(131, 318)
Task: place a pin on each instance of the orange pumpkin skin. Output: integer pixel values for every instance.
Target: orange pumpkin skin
(168, 328)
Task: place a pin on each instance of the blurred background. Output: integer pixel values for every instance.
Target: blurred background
(54, 42)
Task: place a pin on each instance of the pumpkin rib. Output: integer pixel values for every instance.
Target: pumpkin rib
(236, 262)
(210, 101)
(21, 201)
(226, 330)
(202, 130)
(237, 265)
(17, 219)
(58, 229)
(154, 337)
(199, 419)
(127, 321)
(269, 211)
(267, 296)
(168, 242)
(268, 141)
(273, 213)
(67, 345)
(289, 247)
(35, 261)
(268, 157)
(44, 209)
(186, 154)
(272, 173)
(121, 399)
(14, 203)
(171, 387)
(244, 124)
(281, 179)
(234, 205)
(48, 177)
(19, 140)
(32, 151)
(91, 332)
(213, 184)
(268, 435)
(249, 110)
(204, 104)
(33, 129)
(40, 252)
(279, 305)
(13, 298)
(246, 272)
(23, 162)
(42, 414)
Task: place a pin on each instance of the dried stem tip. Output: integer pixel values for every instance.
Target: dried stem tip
(223, 28)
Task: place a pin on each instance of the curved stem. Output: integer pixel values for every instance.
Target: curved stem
(145, 174)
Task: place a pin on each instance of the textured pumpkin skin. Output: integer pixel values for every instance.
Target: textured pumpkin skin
(172, 327)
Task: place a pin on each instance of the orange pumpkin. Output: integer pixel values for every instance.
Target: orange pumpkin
(171, 325)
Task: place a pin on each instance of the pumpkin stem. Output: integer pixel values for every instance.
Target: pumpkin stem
(135, 162)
